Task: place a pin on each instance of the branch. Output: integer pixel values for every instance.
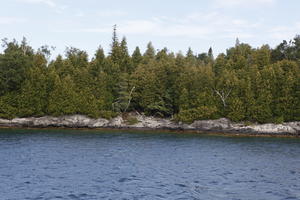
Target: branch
(129, 100)
(223, 95)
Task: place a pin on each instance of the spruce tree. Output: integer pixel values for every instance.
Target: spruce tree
(137, 58)
(150, 52)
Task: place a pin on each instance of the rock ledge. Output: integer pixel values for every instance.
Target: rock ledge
(222, 125)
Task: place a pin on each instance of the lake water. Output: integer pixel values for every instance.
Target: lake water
(91, 164)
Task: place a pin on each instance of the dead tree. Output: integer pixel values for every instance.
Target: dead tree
(129, 98)
(120, 101)
(223, 95)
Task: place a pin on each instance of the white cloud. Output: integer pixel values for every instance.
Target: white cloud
(95, 30)
(162, 28)
(50, 3)
(11, 20)
(285, 32)
(244, 3)
(111, 13)
(80, 14)
(195, 25)
(202, 16)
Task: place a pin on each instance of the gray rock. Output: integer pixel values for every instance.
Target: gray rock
(215, 125)
(98, 123)
(46, 121)
(5, 122)
(117, 122)
(295, 126)
(26, 122)
(272, 129)
(145, 122)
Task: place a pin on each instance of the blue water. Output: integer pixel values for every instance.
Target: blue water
(82, 164)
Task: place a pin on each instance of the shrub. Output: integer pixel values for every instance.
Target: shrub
(132, 121)
(199, 113)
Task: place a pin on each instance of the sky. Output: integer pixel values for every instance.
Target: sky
(175, 24)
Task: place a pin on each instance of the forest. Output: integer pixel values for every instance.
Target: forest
(244, 84)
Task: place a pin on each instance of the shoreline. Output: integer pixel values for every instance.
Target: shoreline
(221, 126)
(149, 130)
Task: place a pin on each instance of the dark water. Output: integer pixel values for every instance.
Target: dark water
(74, 164)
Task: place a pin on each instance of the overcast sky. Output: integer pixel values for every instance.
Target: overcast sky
(176, 24)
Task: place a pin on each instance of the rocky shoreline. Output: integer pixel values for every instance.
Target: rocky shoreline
(143, 122)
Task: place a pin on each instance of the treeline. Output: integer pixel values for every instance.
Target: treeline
(245, 84)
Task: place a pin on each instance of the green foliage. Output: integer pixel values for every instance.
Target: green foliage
(33, 98)
(63, 100)
(236, 110)
(132, 121)
(150, 52)
(244, 84)
(137, 58)
(14, 63)
(198, 113)
(287, 50)
(8, 106)
(278, 120)
(123, 100)
(107, 114)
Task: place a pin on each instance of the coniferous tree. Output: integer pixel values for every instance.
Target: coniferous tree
(210, 55)
(63, 100)
(137, 58)
(150, 52)
(14, 63)
(116, 51)
(33, 99)
(97, 65)
(253, 84)
(125, 62)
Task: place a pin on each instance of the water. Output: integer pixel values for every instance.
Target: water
(77, 164)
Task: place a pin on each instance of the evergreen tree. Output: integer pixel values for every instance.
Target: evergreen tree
(63, 100)
(125, 91)
(98, 63)
(14, 63)
(191, 58)
(116, 50)
(210, 55)
(33, 99)
(150, 52)
(125, 62)
(253, 84)
(137, 58)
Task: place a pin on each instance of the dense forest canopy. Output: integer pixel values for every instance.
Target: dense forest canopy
(244, 84)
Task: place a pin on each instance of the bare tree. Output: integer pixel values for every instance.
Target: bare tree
(129, 98)
(24, 46)
(117, 105)
(223, 95)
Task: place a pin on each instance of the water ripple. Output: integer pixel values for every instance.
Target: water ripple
(87, 165)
